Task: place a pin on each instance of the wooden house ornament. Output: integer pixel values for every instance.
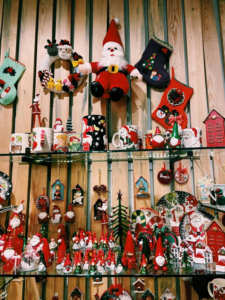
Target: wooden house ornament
(97, 212)
(77, 195)
(76, 294)
(142, 188)
(167, 295)
(139, 286)
(215, 129)
(58, 190)
(215, 232)
(147, 295)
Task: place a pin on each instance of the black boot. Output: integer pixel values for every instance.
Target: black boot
(97, 89)
(116, 94)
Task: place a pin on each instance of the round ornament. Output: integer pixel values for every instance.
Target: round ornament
(181, 175)
(5, 187)
(62, 51)
(165, 176)
(42, 200)
(175, 97)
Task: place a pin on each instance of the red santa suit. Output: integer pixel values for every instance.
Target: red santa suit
(16, 233)
(2, 243)
(37, 240)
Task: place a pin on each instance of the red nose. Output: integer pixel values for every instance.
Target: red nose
(111, 50)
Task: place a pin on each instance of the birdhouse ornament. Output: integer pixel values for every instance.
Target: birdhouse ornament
(77, 195)
(58, 190)
(112, 69)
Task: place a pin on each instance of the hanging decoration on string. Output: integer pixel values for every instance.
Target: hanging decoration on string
(77, 194)
(165, 176)
(58, 189)
(181, 174)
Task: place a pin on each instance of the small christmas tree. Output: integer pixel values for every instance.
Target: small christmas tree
(44, 230)
(69, 125)
(186, 260)
(148, 65)
(168, 253)
(120, 221)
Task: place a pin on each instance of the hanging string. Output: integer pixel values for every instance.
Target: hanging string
(99, 174)
(78, 175)
(58, 170)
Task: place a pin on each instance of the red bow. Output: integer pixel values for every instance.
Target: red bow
(181, 170)
(164, 50)
(177, 119)
(10, 70)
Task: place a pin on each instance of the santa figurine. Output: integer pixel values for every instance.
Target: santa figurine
(43, 216)
(55, 297)
(9, 251)
(36, 112)
(160, 260)
(112, 69)
(58, 127)
(104, 218)
(69, 216)
(19, 210)
(36, 242)
(62, 242)
(46, 252)
(15, 229)
(67, 268)
(2, 243)
(53, 246)
(56, 216)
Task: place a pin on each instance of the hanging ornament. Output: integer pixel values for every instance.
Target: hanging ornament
(58, 191)
(77, 195)
(142, 188)
(165, 176)
(181, 175)
(42, 200)
(5, 187)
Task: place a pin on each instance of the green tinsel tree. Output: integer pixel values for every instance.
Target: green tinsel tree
(186, 260)
(168, 253)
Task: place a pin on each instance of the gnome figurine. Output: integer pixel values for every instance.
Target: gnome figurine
(53, 246)
(158, 141)
(159, 260)
(43, 216)
(70, 215)
(78, 269)
(67, 265)
(15, 229)
(92, 269)
(56, 216)
(143, 269)
(42, 264)
(175, 139)
(111, 70)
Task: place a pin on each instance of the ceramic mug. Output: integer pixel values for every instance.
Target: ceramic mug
(191, 137)
(74, 142)
(42, 139)
(218, 194)
(60, 142)
(218, 288)
(94, 133)
(20, 143)
(128, 137)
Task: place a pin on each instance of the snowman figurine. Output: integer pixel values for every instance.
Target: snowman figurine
(78, 197)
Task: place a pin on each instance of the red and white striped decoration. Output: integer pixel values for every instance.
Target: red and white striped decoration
(47, 76)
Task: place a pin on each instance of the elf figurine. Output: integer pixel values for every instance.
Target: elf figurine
(36, 112)
(111, 241)
(159, 260)
(104, 219)
(78, 269)
(15, 230)
(92, 269)
(175, 140)
(143, 269)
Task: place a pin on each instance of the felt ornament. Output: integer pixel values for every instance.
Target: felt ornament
(10, 72)
(151, 64)
(165, 176)
(181, 175)
(112, 69)
(174, 100)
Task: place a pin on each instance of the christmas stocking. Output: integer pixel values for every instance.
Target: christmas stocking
(10, 72)
(173, 101)
(151, 65)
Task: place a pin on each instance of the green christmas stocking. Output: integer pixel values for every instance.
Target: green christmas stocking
(10, 72)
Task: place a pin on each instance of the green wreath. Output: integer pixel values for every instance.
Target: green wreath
(175, 98)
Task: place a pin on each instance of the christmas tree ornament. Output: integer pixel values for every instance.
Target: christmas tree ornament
(42, 265)
(119, 221)
(42, 200)
(10, 72)
(62, 245)
(36, 112)
(143, 269)
(151, 64)
(167, 295)
(76, 294)
(36, 242)
(56, 216)
(148, 139)
(158, 141)
(46, 252)
(165, 176)
(119, 264)
(181, 175)
(55, 297)
(57, 190)
(128, 138)
(15, 229)
(147, 295)
(69, 216)
(92, 269)
(142, 188)
(174, 101)
(52, 245)
(43, 216)
(94, 133)
(139, 286)
(77, 195)
(67, 268)
(5, 187)
(191, 137)
(61, 51)
(175, 139)
(112, 69)
(167, 136)
(160, 260)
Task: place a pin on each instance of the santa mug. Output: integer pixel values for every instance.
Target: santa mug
(128, 137)
(218, 288)
(20, 143)
(192, 137)
(60, 142)
(42, 139)
(94, 133)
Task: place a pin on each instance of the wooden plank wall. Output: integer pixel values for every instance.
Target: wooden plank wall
(195, 28)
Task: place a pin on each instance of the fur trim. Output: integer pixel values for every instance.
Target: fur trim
(89, 68)
(134, 72)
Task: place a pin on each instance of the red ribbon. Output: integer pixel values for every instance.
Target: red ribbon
(164, 168)
(181, 170)
(177, 119)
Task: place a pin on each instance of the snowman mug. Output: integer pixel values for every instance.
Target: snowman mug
(128, 137)
(218, 288)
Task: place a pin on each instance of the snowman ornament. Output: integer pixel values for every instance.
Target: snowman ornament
(56, 216)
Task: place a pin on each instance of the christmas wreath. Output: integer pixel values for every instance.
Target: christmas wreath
(175, 97)
(61, 51)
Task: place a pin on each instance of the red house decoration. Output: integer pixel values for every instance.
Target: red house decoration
(215, 129)
(215, 237)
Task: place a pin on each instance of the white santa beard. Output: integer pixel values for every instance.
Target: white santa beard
(70, 214)
(15, 223)
(107, 60)
(160, 260)
(196, 223)
(9, 253)
(42, 215)
(34, 241)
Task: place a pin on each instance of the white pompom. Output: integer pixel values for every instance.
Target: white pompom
(116, 20)
(56, 295)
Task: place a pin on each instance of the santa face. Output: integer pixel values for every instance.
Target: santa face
(15, 222)
(9, 253)
(104, 206)
(34, 241)
(64, 52)
(123, 133)
(160, 260)
(113, 54)
(196, 221)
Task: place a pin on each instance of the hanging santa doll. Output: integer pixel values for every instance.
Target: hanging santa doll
(19, 210)
(112, 69)
(104, 218)
(15, 230)
(159, 260)
(43, 216)
(36, 112)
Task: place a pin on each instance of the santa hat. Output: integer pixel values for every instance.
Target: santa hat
(36, 99)
(46, 252)
(111, 237)
(55, 207)
(58, 121)
(55, 297)
(22, 201)
(14, 215)
(157, 130)
(64, 44)
(78, 189)
(102, 262)
(3, 238)
(37, 236)
(195, 214)
(143, 262)
(113, 260)
(67, 261)
(70, 207)
(159, 247)
(195, 131)
(102, 236)
(112, 34)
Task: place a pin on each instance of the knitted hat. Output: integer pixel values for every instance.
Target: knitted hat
(64, 44)
(55, 207)
(159, 247)
(58, 121)
(112, 34)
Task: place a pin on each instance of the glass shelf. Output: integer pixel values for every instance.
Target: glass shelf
(174, 271)
(112, 155)
(214, 207)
